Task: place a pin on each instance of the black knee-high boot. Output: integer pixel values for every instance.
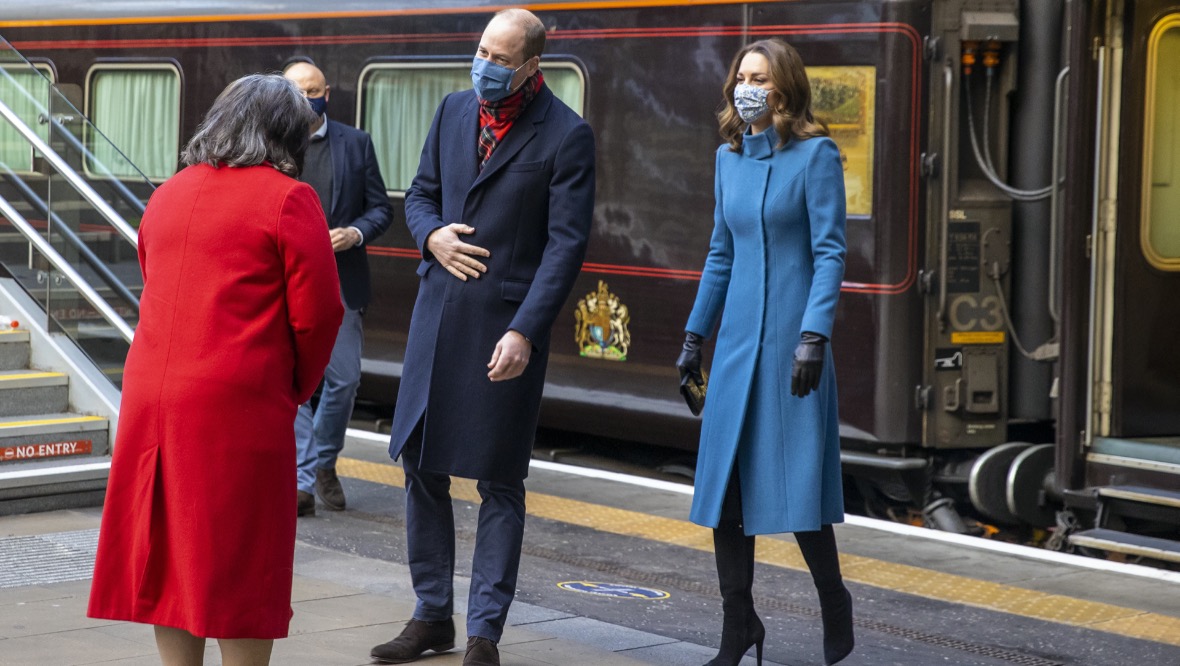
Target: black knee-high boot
(741, 627)
(835, 602)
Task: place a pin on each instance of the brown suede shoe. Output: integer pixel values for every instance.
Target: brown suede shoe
(304, 504)
(481, 652)
(328, 487)
(416, 638)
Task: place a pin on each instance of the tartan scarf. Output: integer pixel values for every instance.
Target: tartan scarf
(496, 118)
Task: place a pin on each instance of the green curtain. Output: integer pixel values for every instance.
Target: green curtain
(23, 91)
(566, 85)
(1164, 224)
(139, 111)
(399, 104)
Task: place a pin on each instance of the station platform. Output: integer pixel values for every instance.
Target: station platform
(613, 573)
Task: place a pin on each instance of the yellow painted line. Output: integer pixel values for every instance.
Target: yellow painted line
(12, 331)
(865, 570)
(62, 421)
(31, 375)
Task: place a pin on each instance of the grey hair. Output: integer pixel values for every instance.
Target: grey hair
(258, 118)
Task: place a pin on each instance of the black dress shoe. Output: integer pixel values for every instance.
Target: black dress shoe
(328, 487)
(481, 652)
(418, 637)
(304, 504)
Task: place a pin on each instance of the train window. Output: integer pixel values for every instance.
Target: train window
(137, 107)
(26, 92)
(396, 103)
(1160, 226)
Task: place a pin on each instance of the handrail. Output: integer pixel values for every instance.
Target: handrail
(71, 176)
(945, 192)
(1055, 194)
(64, 266)
(65, 133)
(62, 228)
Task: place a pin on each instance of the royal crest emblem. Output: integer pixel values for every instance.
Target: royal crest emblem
(601, 325)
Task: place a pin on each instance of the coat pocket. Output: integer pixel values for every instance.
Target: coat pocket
(515, 291)
(524, 166)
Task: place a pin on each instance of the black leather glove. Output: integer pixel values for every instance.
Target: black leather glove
(809, 363)
(689, 361)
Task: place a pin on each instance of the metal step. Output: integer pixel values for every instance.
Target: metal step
(1168, 498)
(30, 392)
(57, 436)
(1129, 544)
(51, 485)
(14, 349)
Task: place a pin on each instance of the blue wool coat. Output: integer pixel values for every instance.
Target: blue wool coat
(776, 261)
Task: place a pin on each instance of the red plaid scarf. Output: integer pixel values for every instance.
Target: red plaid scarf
(496, 118)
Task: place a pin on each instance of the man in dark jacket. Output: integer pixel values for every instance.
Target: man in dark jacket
(341, 166)
(501, 209)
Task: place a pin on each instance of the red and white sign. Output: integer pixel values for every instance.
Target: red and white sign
(52, 450)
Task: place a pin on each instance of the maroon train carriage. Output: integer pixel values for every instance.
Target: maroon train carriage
(1004, 343)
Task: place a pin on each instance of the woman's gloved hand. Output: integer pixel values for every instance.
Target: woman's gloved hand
(809, 363)
(689, 361)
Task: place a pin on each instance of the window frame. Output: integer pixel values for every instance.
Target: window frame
(1153, 257)
(125, 64)
(45, 66)
(453, 62)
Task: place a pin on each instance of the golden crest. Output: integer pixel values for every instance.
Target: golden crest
(600, 328)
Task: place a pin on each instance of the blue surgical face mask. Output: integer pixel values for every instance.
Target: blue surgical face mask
(492, 82)
(750, 101)
(318, 104)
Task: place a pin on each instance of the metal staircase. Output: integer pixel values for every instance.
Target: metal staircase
(51, 455)
(69, 275)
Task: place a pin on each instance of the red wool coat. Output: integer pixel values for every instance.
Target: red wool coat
(239, 311)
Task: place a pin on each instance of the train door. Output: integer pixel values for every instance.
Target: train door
(1134, 405)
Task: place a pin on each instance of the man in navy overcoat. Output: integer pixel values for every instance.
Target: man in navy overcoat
(341, 165)
(501, 209)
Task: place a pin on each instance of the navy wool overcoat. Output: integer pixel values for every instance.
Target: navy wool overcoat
(531, 206)
(775, 264)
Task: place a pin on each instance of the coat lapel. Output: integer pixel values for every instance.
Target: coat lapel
(336, 148)
(523, 130)
(468, 137)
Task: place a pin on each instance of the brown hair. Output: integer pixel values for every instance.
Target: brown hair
(792, 101)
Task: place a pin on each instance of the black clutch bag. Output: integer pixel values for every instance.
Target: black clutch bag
(694, 392)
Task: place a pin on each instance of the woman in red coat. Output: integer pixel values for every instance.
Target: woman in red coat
(239, 311)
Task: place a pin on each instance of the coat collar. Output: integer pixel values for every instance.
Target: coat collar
(760, 146)
(523, 130)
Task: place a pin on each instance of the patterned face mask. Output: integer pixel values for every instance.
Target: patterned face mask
(750, 101)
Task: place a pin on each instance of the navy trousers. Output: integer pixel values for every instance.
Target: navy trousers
(430, 542)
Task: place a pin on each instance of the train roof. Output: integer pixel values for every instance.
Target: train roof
(50, 12)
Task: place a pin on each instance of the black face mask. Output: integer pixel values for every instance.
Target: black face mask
(318, 104)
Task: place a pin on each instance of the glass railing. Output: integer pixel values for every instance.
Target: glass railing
(64, 182)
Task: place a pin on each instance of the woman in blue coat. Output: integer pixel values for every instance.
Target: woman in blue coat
(769, 459)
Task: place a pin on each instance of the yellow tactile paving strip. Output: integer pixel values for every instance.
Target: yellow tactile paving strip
(868, 571)
(30, 375)
(61, 421)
